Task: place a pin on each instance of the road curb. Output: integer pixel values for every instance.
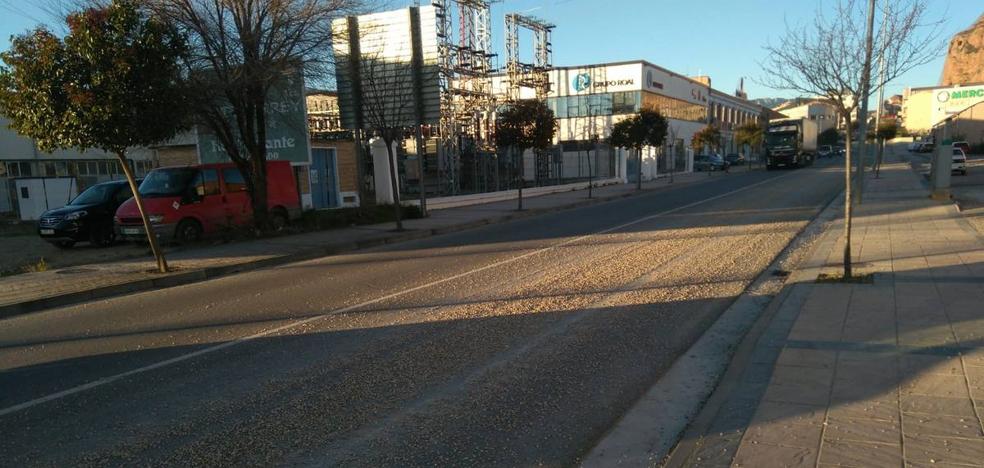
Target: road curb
(208, 273)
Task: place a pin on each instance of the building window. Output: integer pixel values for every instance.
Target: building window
(626, 102)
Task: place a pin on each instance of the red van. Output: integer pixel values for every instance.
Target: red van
(185, 203)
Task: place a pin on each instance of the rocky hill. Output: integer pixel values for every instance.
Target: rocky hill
(965, 59)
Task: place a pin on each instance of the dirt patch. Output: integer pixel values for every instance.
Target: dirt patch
(20, 253)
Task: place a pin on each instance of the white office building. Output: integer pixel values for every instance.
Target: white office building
(588, 100)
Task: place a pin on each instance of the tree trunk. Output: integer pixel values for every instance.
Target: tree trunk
(258, 195)
(591, 172)
(519, 171)
(258, 155)
(394, 183)
(421, 154)
(847, 202)
(639, 169)
(878, 159)
(148, 228)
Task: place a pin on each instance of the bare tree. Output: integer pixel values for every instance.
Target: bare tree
(390, 87)
(241, 52)
(388, 106)
(827, 58)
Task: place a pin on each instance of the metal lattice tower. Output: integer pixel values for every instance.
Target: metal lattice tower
(528, 75)
(467, 102)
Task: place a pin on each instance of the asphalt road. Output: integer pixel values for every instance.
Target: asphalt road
(513, 344)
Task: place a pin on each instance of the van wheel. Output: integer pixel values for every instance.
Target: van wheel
(188, 231)
(278, 220)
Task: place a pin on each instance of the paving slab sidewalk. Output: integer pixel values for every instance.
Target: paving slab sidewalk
(37, 291)
(889, 373)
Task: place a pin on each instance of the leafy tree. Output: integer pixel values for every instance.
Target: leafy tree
(523, 125)
(749, 133)
(113, 83)
(709, 136)
(647, 128)
(828, 137)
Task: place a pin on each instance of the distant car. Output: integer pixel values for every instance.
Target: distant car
(959, 161)
(825, 151)
(709, 162)
(925, 147)
(88, 217)
(962, 145)
(735, 159)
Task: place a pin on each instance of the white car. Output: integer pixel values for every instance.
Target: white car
(959, 161)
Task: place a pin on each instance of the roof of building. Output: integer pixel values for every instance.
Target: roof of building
(961, 85)
(665, 70)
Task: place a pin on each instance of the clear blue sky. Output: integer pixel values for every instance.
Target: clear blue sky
(720, 38)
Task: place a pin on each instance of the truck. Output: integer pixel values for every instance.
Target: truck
(790, 143)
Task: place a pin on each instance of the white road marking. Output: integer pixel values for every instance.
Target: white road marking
(298, 323)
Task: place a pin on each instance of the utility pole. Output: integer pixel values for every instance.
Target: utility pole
(881, 89)
(865, 91)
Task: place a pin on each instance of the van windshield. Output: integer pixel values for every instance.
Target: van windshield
(94, 195)
(171, 182)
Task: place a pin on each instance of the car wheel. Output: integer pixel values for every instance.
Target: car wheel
(278, 219)
(65, 244)
(188, 231)
(103, 236)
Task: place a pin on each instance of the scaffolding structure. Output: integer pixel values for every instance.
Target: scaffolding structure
(467, 100)
(528, 75)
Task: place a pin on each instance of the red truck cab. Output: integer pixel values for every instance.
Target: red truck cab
(185, 203)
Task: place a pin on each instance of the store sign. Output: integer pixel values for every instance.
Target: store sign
(950, 101)
(286, 129)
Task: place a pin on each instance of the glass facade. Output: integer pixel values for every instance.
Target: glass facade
(674, 108)
(626, 102)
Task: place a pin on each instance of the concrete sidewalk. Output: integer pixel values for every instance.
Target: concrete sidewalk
(37, 291)
(883, 374)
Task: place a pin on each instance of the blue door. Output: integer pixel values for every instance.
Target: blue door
(324, 178)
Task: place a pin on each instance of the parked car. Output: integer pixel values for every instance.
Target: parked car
(188, 202)
(825, 151)
(959, 161)
(88, 217)
(962, 145)
(735, 159)
(925, 147)
(709, 162)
